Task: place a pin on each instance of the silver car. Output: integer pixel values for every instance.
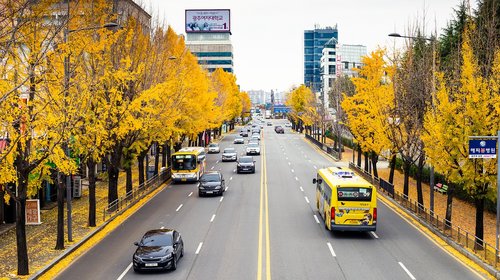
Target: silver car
(229, 154)
(213, 148)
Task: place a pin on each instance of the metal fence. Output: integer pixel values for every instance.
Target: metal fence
(136, 194)
(324, 147)
(466, 241)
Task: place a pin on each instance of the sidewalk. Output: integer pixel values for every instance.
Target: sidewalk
(41, 239)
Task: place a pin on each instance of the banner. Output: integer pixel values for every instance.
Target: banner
(208, 21)
(32, 210)
(482, 148)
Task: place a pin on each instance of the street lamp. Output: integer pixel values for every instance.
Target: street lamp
(431, 175)
(66, 33)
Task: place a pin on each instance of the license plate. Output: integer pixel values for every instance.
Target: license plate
(183, 179)
(151, 264)
(209, 191)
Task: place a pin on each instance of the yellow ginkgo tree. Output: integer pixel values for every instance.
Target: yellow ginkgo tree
(472, 110)
(302, 103)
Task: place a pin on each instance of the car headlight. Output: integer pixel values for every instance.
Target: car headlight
(168, 256)
(217, 188)
(137, 259)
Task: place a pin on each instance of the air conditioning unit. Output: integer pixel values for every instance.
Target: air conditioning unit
(77, 186)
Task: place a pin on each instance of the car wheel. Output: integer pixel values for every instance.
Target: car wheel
(137, 270)
(182, 250)
(200, 194)
(174, 263)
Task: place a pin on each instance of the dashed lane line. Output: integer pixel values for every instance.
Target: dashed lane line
(178, 208)
(331, 249)
(301, 189)
(296, 179)
(407, 271)
(199, 248)
(213, 217)
(374, 234)
(190, 194)
(221, 199)
(316, 218)
(307, 199)
(124, 272)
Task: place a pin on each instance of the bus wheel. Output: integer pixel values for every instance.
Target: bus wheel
(326, 226)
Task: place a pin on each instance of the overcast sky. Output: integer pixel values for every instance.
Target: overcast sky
(267, 35)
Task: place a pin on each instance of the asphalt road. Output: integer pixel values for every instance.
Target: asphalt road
(266, 226)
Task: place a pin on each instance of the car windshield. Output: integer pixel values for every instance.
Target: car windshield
(184, 162)
(212, 145)
(210, 178)
(246, 159)
(253, 145)
(229, 150)
(156, 239)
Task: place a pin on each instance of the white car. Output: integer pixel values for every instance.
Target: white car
(213, 148)
(239, 140)
(288, 125)
(253, 149)
(255, 136)
(229, 154)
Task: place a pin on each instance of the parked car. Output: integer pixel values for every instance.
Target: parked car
(288, 125)
(279, 129)
(211, 182)
(158, 249)
(213, 148)
(245, 164)
(229, 154)
(253, 149)
(239, 140)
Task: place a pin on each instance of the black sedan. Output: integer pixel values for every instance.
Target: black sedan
(159, 249)
(245, 164)
(211, 183)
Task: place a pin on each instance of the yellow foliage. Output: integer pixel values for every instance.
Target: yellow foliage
(302, 103)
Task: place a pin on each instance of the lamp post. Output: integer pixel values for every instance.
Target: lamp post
(66, 33)
(431, 175)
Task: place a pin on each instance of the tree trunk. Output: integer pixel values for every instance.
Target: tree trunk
(393, 167)
(91, 164)
(406, 169)
(157, 158)
(140, 167)
(359, 156)
(420, 195)
(128, 181)
(164, 155)
(479, 202)
(374, 164)
(113, 172)
(169, 154)
(449, 205)
(60, 212)
(22, 248)
(366, 161)
(2, 204)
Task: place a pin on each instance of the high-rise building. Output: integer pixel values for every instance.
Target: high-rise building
(208, 37)
(314, 41)
(350, 58)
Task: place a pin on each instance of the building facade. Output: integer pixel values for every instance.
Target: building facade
(314, 42)
(213, 50)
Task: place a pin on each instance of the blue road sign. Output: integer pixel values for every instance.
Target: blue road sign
(486, 148)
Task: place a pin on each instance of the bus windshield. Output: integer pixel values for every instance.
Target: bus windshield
(184, 162)
(354, 194)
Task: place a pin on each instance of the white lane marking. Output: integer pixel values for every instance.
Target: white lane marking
(178, 208)
(190, 194)
(199, 248)
(407, 271)
(221, 199)
(217, 161)
(226, 188)
(213, 217)
(331, 249)
(234, 170)
(124, 272)
(212, 167)
(315, 167)
(307, 199)
(301, 189)
(231, 178)
(316, 218)
(309, 160)
(293, 171)
(286, 158)
(289, 163)
(162, 227)
(374, 234)
(296, 179)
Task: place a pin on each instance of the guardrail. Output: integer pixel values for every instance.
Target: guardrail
(324, 147)
(137, 193)
(466, 242)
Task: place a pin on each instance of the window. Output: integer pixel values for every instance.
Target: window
(354, 194)
(331, 69)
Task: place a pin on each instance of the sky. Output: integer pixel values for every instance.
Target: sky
(267, 35)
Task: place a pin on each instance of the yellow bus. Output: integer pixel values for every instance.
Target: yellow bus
(188, 164)
(346, 201)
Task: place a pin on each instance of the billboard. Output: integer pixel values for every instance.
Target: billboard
(208, 21)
